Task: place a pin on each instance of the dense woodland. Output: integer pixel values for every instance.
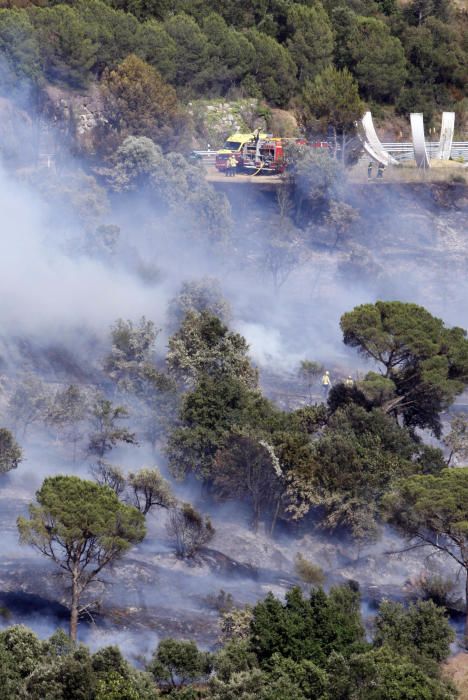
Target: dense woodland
(313, 57)
(384, 451)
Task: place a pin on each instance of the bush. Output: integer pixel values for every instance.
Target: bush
(189, 529)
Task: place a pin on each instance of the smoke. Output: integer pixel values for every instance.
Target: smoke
(402, 247)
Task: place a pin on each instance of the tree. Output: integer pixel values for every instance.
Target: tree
(130, 364)
(426, 361)
(157, 48)
(457, 439)
(197, 296)
(112, 31)
(282, 246)
(332, 101)
(139, 103)
(309, 371)
(82, 527)
(67, 412)
(29, 403)
(432, 511)
(247, 469)
(174, 187)
(307, 628)
(383, 673)
(378, 60)
(19, 50)
(205, 346)
(310, 41)
(11, 453)
(357, 459)
(209, 414)
(68, 51)
(316, 180)
(421, 630)
(108, 433)
(176, 663)
(308, 572)
(150, 489)
(107, 474)
(274, 71)
(230, 56)
(192, 50)
(189, 529)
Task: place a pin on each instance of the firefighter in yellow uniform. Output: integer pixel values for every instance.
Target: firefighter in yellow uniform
(349, 383)
(233, 164)
(326, 383)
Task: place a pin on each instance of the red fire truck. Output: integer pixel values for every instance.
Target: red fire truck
(261, 154)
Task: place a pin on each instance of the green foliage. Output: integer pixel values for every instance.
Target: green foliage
(426, 361)
(67, 46)
(19, 50)
(204, 346)
(378, 60)
(413, 56)
(310, 41)
(174, 187)
(157, 48)
(332, 100)
(131, 362)
(107, 432)
(139, 103)
(234, 657)
(423, 629)
(82, 527)
(10, 452)
(230, 56)
(379, 674)
(309, 628)
(274, 69)
(358, 458)
(191, 57)
(177, 663)
(424, 506)
(150, 489)
(247, 469)
(433, 512)
(316, 180)
(189, 530)
(309, 572)
(197, 296)
(112, 31)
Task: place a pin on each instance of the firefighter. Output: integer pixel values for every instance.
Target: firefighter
(369, 170)
(233, 160)
(349, 383)
(227, 169)
(326, 383)
(380, 170)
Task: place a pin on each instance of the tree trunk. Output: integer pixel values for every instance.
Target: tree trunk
(465, 640)
(75, 599)
(275, 518)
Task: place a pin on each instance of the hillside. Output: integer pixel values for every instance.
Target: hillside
(233, 382)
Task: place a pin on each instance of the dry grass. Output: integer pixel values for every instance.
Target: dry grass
(440, 171)
(456, 669)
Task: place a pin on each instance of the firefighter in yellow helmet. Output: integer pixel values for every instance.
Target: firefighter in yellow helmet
(233, 164)
(326, 383)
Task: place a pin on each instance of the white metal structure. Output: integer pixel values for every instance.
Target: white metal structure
(446, 135)
(372, 144)
(419, 141)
